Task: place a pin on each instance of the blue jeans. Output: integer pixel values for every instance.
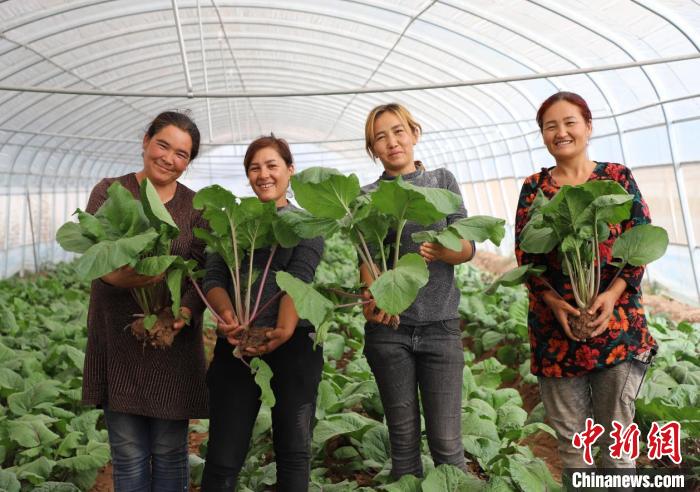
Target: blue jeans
(148, 454)
(429, 358)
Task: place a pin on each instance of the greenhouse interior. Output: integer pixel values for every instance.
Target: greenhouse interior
(81, 80)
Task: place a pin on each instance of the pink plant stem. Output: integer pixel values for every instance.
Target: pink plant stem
(343, 293)
(360, 303)
(262, 282)
(201, 294)
(265, 306)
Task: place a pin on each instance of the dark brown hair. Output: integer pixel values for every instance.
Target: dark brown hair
(178, 119)
(569, 97)
(279, 144)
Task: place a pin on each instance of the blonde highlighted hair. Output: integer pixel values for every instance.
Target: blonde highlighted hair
(403, 114)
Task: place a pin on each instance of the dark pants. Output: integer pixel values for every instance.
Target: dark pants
(429, 358)
(234, 402)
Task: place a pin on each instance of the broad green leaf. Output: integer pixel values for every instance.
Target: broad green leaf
(515, 276)
(263, 375)
(407, 483)
(475, 425)
(154, 208)
(70, 237)
(537, 237)
(106, 256)
(37, 471)
(601, 187)
(30, 431)
(9, 482)
(214, 197)
(154, 265)
(23, 402)
(611, 209)
(122, 214)
(641, 245)
(305, 225)
(480, 228)
(375, 444)
(341, 424)
(396, 289)
(510, 417)
(9, 379)
(448, 477)
(310, 305)
(70, 442)
(325, 192)
(447, 237)
(425, 236)
(405, 201)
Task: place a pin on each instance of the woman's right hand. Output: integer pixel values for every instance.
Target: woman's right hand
(561, 310)
(127, 278)
(230, 328)
(372, 314)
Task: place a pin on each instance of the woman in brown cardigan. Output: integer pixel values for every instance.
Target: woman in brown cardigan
(149, 394)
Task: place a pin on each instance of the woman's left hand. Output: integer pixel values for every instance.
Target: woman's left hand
(604, 304)
(183, 319)
(276, 337)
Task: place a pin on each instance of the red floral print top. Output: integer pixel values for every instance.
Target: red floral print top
(553, 353)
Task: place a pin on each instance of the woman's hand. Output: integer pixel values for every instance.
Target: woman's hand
(437, 252)
(127, 278)
(432, 251)
(561, 310)
(230, 328)
(370, 311)
(604, 305)
(276, 337)
(183, 319)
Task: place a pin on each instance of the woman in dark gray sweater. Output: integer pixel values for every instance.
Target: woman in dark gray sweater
(234, 397)
(425, 351)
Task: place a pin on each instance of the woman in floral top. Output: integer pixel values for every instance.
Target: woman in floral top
(597, 378)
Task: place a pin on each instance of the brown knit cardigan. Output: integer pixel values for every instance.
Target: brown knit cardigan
(119, 371)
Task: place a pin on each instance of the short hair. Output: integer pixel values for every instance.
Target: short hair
(279, 144)
(570, 97)
(397, 110)
(178, 119)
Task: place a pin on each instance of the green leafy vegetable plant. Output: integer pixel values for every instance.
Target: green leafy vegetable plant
(575, 221)
(238, 227)
(334, 202)
(125, 231)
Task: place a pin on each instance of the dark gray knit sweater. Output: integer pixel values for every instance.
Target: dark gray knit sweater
(119, 371)
(439, 298)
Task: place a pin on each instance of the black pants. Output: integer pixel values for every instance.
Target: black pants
(234, 404)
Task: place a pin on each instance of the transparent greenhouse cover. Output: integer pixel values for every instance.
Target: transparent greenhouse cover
(80, 80)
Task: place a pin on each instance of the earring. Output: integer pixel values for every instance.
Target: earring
(289, 193)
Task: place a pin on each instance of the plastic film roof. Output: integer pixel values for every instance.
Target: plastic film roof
(80, 80)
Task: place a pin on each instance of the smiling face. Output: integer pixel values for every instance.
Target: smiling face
(565, 131)
(269, 176)
(393, 144)
(166, 155)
